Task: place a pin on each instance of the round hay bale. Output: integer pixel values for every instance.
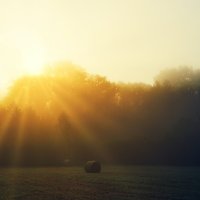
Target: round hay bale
(93, 167)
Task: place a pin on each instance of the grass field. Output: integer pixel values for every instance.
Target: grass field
(115, 182)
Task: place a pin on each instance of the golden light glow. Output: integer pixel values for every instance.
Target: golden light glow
(31, 51)
(35, 92)
(33, 62)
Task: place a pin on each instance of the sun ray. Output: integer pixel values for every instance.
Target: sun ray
(21, 127)
(51, 88)
(86, 133)
(8, 118)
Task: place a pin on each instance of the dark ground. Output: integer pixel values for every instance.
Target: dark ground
(115, 182)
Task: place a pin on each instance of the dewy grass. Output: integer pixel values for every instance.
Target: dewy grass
(115, 182)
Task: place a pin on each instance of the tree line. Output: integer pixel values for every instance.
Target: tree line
(67, 115)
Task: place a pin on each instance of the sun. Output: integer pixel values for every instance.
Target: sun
(33, 58)
(32, 53)
(33, 63)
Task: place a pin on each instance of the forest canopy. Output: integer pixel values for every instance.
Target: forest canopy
(69, 114)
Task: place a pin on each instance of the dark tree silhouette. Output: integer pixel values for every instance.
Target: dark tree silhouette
(70, 114)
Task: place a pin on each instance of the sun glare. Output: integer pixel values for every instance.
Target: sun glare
(32, 52)
(33, 63)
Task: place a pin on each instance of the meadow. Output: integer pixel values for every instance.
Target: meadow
(114, 182)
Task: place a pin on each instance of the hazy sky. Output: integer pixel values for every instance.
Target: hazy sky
(126, 40)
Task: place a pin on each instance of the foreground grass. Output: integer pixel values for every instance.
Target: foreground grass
(115, 182)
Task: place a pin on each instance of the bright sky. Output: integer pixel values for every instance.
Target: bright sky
(125, 40)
